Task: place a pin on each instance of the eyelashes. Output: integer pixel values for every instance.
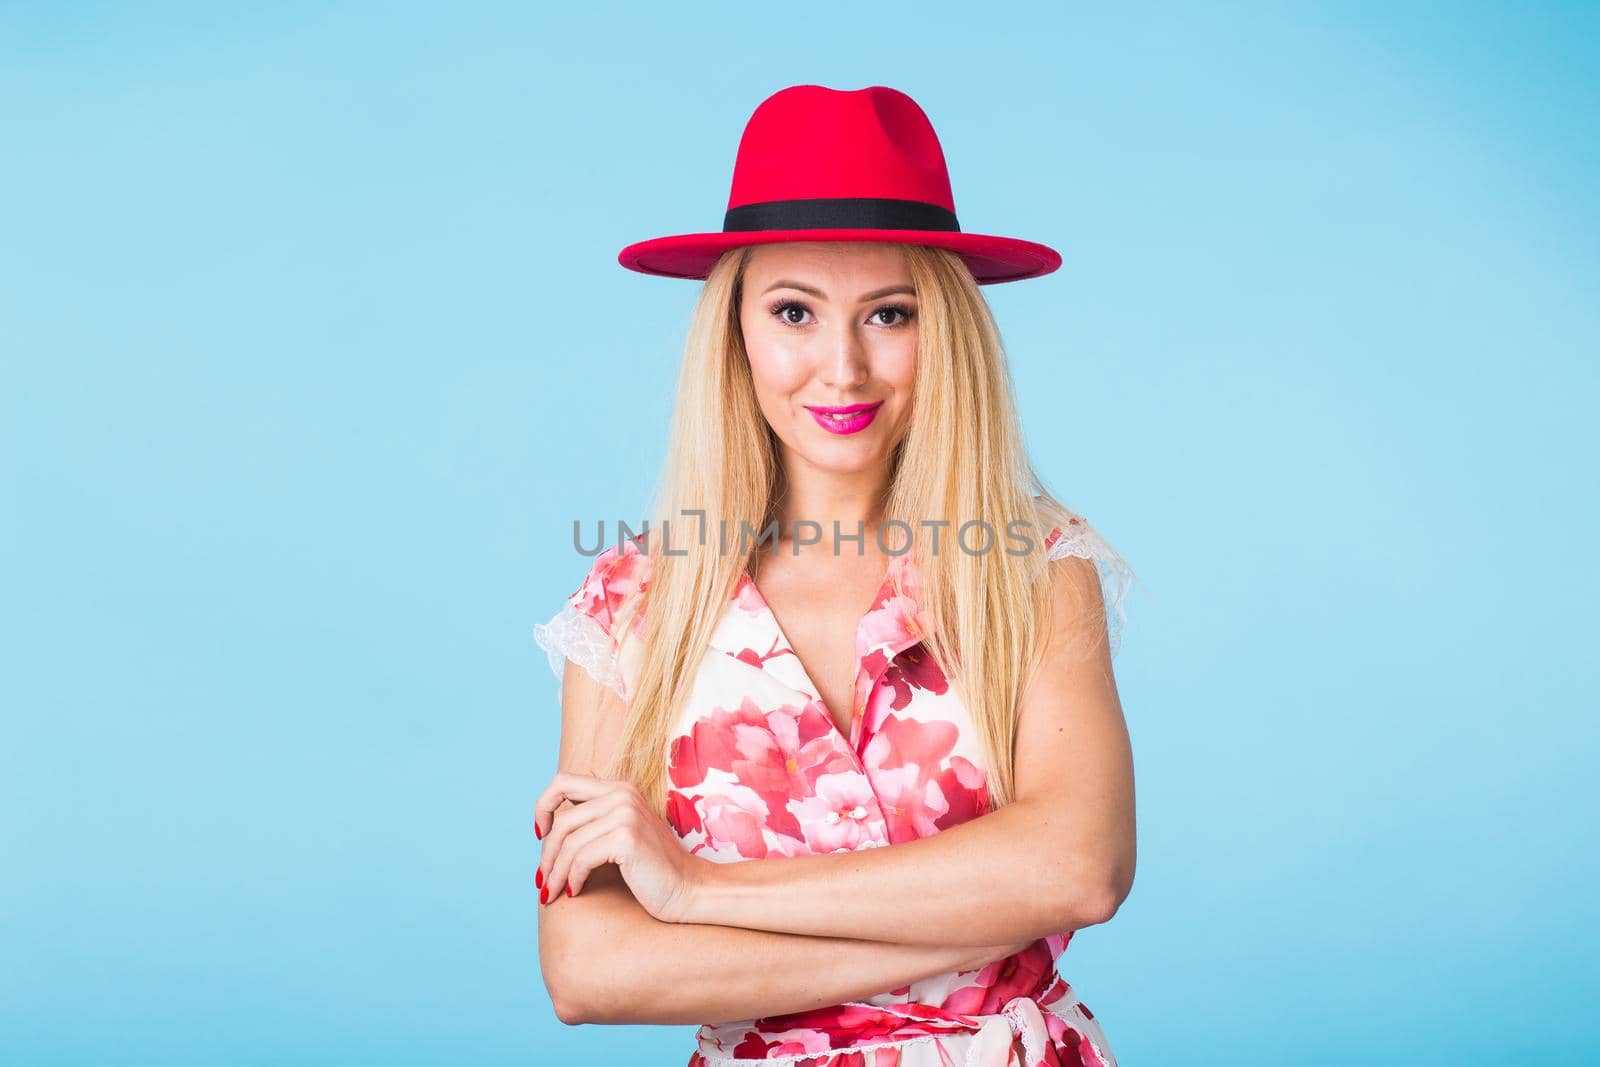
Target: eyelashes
(780, 311)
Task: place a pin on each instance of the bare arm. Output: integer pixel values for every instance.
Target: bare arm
(605, 959)
(1059, 857)
(618, 964)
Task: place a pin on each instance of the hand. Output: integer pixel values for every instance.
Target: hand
(611, 823)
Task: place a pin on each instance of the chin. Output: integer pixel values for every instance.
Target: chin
(844, 458)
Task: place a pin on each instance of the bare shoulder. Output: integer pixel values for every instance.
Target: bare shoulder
(1070, 713)
(592, 717)
(1075, 625)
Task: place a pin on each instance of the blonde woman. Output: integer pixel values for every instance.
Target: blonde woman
(855, 619)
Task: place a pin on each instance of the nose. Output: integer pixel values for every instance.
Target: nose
(845, 365)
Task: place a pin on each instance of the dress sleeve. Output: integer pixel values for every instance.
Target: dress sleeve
(583, 630)
(1078, 538)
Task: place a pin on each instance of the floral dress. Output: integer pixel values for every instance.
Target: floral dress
(759, 768)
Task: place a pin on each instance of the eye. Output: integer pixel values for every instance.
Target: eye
(785, 308)
(905, 313)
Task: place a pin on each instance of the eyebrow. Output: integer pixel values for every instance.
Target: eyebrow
(876, 294)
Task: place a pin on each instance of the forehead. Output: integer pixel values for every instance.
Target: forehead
(848, 264)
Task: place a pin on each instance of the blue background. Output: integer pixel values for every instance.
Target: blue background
(315, 343)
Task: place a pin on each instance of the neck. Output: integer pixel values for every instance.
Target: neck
(813, 500)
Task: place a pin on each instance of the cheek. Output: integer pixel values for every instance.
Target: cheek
(898, 364)
(898, 370)
(778, 368)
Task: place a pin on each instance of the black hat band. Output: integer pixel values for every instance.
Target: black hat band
(839, 213)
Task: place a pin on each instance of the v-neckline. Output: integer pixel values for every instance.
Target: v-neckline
(853, 737)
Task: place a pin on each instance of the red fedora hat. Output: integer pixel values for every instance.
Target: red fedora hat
(820, 164)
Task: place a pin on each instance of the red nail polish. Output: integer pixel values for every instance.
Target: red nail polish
(538, 878)
(538, 833)
(544, 896)
(569, 890)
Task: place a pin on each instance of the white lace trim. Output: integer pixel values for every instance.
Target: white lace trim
(1116, 577)
(570, 634)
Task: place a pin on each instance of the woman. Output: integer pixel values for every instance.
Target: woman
(930, 686)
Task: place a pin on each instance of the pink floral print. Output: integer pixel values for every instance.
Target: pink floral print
(757, 767)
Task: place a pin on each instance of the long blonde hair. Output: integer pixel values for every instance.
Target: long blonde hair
(962, 458)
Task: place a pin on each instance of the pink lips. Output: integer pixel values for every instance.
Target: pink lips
(853, 418)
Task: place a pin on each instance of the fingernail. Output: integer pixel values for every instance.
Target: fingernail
(538, 878)
(538, 833)
(569, 890)
(544, 895)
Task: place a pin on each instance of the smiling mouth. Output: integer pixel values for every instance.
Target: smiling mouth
(841, 413)
(850, 419)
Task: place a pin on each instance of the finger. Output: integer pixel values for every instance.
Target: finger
(602, 840)
(561, 829)
(560, 865)
(564, 786)
(548, 851)
(633, 803)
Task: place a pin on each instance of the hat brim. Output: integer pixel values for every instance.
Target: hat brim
(991, 259)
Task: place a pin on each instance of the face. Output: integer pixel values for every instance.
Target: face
(828, 326)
